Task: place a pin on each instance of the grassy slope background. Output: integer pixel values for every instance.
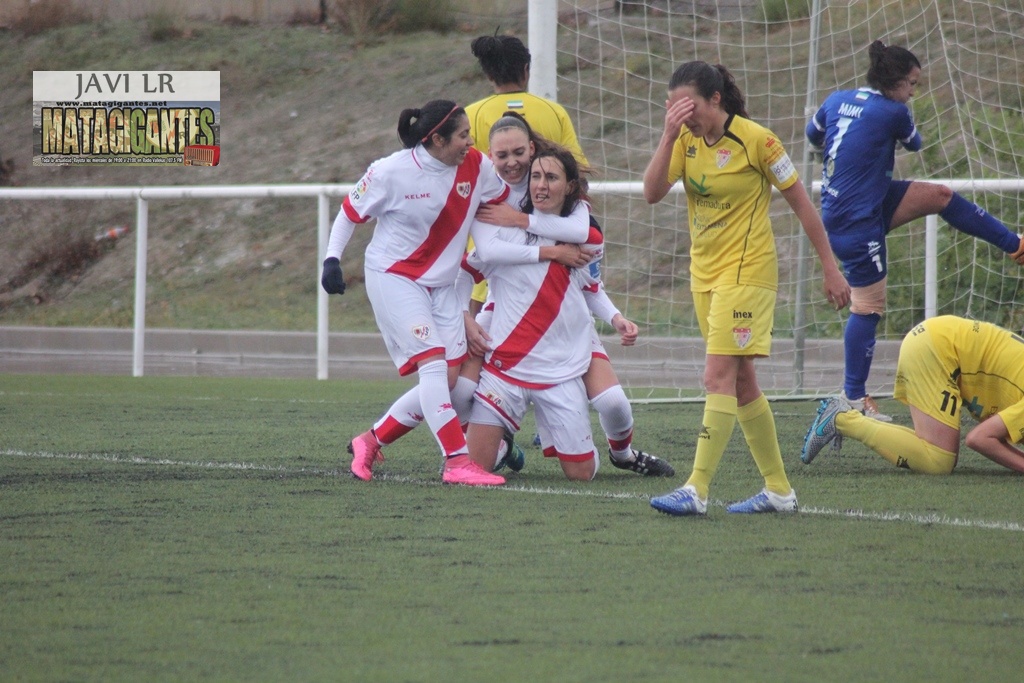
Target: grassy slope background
(298, 104)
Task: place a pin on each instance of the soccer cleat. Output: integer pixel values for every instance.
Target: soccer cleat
(644, 463)
(510, 454)
(867, 407)
(766, 501)
(536, 440)
(823, 429)
(681, 502)
(462, 470)
(365, 451)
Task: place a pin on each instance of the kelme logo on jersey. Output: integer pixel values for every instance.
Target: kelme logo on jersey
(463, 189)
(742, 336)
(723, 156)
(421, 332)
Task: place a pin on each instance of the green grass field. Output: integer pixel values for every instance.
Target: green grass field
(172, 529)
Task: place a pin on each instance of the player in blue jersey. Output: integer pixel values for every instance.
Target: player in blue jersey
(857, 132)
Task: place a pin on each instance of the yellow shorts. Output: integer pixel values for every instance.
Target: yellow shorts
(923, 380)
(736, 320)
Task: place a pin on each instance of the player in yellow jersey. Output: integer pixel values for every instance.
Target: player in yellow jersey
(947, 365)
(729, 165)
(506, 63)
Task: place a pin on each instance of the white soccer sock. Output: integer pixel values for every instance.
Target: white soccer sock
(462, 397)
(616, 416)
(436, 403)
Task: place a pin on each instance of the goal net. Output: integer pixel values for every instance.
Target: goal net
(614, 62)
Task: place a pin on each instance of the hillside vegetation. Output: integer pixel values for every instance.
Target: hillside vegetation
(298, 105)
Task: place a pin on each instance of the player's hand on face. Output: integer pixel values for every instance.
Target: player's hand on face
(677, 113)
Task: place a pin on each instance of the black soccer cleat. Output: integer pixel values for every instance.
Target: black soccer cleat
(645, 464)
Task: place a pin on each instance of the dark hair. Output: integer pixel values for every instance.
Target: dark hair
(512, 119)
(503, 58)
(419, 125)
(889, 65)
(573, 176)
(708, 80)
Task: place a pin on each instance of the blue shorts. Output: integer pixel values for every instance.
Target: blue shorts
(862, 250)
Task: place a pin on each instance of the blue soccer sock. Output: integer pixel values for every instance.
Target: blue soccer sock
(970, 218)
(859, 346)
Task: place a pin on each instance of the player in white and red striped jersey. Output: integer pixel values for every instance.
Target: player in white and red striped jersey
(540, 348)
(424, 199)
(512, 143)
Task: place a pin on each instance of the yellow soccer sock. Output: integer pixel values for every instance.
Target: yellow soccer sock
(898, 444)
(758, 425)
(719, 421)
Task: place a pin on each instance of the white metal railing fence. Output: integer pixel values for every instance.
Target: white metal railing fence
(322, 193)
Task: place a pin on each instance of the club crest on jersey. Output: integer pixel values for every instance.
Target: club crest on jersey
(723, 156)
(742, 336)
(494, 399)
(464, 189)
(421, 332)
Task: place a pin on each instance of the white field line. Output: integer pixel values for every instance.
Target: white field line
(910, 517)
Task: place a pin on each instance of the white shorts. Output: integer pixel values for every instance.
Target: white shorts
(416, 321)
(562, 412)
(596, 346)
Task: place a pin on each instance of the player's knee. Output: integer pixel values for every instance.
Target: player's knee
(938, 461)
(869, 300)
(580, 469)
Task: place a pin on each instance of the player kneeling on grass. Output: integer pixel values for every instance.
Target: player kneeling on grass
(946, 364)
(540, 347)
(512, 145)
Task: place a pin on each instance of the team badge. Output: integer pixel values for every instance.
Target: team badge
(723, 157)
(742, 336)
(464, 189)
(421, 332)
(494, 399)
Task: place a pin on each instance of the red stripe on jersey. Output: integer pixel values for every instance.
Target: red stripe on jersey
(535, 322)
(448, 222)
(478, 277)
(352, 214)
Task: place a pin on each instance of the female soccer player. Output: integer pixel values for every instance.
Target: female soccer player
(540, 346)
(512, 143)
(947, 364)
(857, 131)
(424, 198)
(729, 164)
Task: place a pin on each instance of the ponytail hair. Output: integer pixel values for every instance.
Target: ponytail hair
(708, 80)
(504, 59)
(890, 64)
(417, 126)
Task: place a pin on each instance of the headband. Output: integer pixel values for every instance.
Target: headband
(434, 129)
